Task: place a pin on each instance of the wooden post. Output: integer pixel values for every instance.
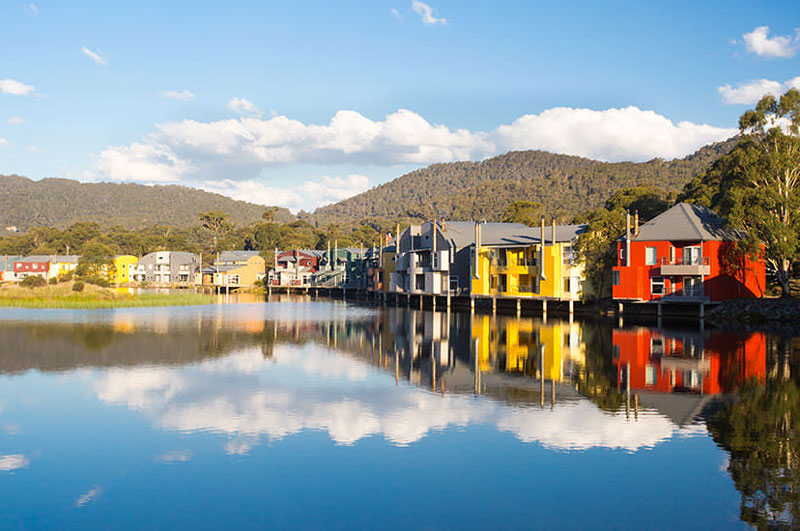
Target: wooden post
(571, 307)
(471, 304)
(494, 305)
(519, 307)
(544, 310)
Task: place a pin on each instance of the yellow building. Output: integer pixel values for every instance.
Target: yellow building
(239, 269)
(122, 270)
(514, 262)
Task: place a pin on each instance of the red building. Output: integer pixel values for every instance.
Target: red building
(685, 254)
(296, 267)
(666, 362)
(26, 269)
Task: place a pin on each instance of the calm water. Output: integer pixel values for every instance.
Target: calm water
(326, 415)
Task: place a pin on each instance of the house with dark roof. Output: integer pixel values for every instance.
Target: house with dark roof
(238, 269)
(166, 268)
(514, 260)
(686, 254)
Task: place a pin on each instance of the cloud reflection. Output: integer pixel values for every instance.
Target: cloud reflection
(247, 397)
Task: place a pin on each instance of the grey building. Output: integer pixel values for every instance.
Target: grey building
(167, 267)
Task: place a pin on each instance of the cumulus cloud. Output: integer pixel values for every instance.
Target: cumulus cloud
(177, 94)
(750, 92)
(15, 88)
(94, 56)
(244, 107)
(15, 120)
(426, 13)
(141, 162)
(760, 43)
(229, 156)
(11, 462)
(395, 13)
(177, 456)
(612, 135)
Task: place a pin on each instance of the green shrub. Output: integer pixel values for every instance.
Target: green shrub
(97, 280)
(33, 281)
(54, 280)
(78, 286)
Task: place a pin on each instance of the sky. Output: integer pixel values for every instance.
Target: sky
(299, 104)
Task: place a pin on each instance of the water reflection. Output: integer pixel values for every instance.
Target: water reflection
(263, 372)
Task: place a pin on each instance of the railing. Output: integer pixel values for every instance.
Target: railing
(679, 260)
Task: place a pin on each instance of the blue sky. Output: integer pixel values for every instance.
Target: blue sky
(300, 104)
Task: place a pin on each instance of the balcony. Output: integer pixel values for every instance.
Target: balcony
(690, 267)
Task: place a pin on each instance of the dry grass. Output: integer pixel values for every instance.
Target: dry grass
(62, 296)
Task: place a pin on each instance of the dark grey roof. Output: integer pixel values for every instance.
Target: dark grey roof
(67, 259)
(686, 222)
(236, 256)
(680, 408)
(227, 267)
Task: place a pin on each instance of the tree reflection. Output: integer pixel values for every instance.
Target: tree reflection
(758, 426)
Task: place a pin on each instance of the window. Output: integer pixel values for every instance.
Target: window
(567, 285)
(615, 278)
(233, 279)
(651, 375)
(419, 283)
(657, 285)
(453, 283)
(650, 256)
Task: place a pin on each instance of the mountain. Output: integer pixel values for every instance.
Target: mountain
(61, 202)
(565, 185)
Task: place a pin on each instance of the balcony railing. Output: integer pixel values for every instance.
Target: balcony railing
(695, 266)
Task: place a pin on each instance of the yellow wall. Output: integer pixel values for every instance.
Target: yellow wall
(518, 274)
(388, 267)
(119, 273)
(248, 273)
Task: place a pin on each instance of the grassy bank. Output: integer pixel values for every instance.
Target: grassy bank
(62, 296)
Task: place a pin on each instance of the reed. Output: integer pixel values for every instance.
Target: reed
(62, 296)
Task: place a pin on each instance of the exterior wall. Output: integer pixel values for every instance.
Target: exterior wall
(666, 363)
(635, 281)
(521, 271)
(167, 267)
(123, 270)
(248, 274)
(58, 269)
(27, 269)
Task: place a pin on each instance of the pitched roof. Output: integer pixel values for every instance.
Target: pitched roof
(686, 222)
(236, 256)
(57, 258)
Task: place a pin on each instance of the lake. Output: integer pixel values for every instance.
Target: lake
(325, 414)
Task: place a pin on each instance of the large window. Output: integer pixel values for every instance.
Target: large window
(650, 256)
(615, 278)
(453, 284)
(651, 375)
(657, 286)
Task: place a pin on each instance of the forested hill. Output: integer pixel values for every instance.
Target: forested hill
(564, 185)
(61, 202)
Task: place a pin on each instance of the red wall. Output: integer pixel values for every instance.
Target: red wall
(719, 285)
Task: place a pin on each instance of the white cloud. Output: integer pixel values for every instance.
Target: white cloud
(395, 13)
(426, 13)
(612, 135)
(177, 95)
(750, 92)
(309, 195)
(90, 496)
(11, 462)
(32, 9)
(15, 120)
(141, 162)
(759, 42)
(94, 56)
(244, 107)
(15, 88)
(229, 156)
(3, 141)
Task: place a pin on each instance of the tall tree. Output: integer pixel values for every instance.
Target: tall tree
(217, 224)
(525, 212)
(757, 186)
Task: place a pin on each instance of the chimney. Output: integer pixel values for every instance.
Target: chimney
(636, 224)
(553, 234)
(541, 250)
(335, 253)
(476, 261)
(628, 238)
(433, 236)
